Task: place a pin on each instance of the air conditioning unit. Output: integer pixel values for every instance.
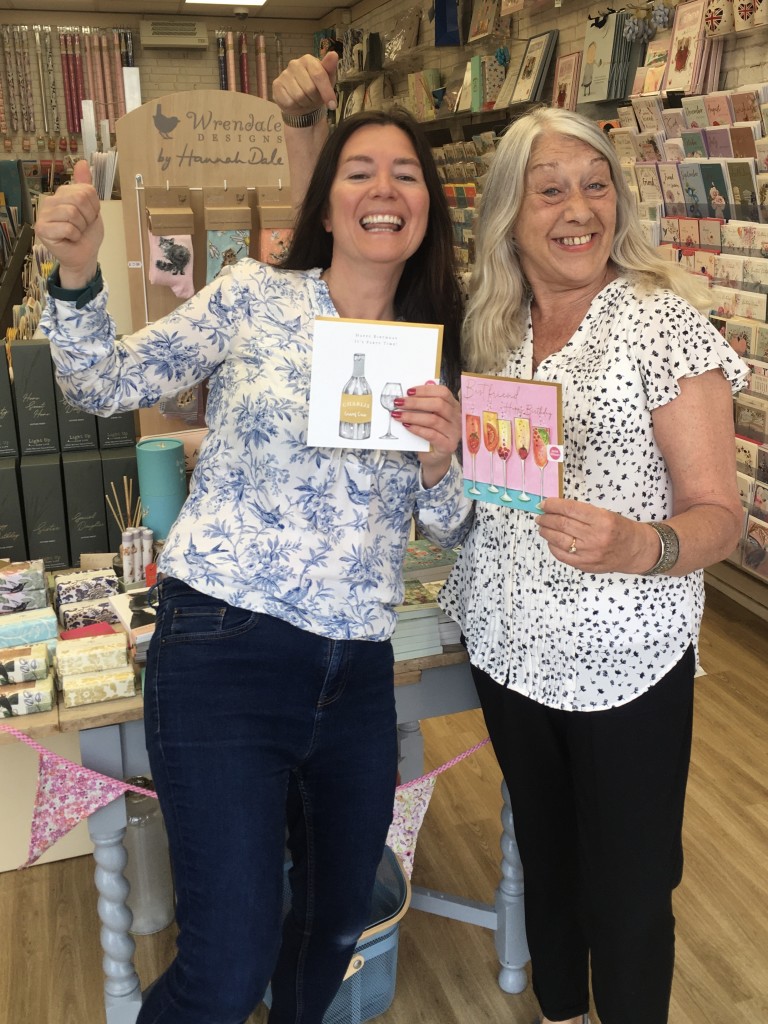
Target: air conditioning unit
(173, 35)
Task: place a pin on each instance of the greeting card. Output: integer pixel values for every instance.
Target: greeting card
(512, 440)
(359, 368)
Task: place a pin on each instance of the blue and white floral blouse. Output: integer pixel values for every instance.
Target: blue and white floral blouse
(314, 536)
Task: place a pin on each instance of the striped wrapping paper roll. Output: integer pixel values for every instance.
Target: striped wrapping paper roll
(41, 77)
(117, 67)
(88, 70)
(231, 76)
(22, 78)
(64, 54)
(10, 71)
(261, 66)
(106, 71)
(53, 96)
(100, 103)
(222, 58)
(77, 70)
(3, 121)
(242, 43)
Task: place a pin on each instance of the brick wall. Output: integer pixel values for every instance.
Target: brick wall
(745, 57)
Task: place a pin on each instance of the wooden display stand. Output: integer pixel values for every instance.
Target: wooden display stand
(171, 151)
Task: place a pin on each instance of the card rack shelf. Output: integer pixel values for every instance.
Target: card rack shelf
(11, 290)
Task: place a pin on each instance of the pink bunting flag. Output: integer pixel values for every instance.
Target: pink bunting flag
(411, 803)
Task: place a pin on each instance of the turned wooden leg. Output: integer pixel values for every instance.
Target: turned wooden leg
(511, 943)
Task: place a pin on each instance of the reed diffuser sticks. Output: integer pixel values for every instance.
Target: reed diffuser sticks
(130, 516)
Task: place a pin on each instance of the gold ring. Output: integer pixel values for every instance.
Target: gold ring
(572, 548)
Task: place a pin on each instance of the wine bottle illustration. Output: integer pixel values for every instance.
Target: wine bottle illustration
(356, 403)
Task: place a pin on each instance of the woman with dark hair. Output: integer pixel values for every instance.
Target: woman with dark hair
(269, 697)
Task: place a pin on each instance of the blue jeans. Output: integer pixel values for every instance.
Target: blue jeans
(256, 728)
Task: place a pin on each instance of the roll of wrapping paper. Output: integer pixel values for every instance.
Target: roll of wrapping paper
(222, 57)
(117, 67)
(261, 66)
(242, 43)
(98, 79)
(64, 55)
(41, 77)
(106, 70)
(231, 76)
(53, 96)
(77, 69)
(28, 88)
(3, 118)
(129, 47)
(123, 47)
(12, 100)
(88, 70)
(162, 482)
(21, 77)
(279, 54)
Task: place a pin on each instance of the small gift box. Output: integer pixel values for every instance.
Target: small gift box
(95, 687)
(85, 586)
(27, 698)
(83, 613)
(28, 627)
(90, 654)
(22, 601)
(23, 664)
(17, 577)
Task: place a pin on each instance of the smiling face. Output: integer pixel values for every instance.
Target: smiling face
(567, 220)
(379, 203)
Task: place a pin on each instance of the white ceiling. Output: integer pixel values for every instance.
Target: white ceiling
(312, 10)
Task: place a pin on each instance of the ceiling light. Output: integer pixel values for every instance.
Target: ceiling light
(228, 3)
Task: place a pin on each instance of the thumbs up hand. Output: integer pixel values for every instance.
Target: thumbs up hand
(69, 224)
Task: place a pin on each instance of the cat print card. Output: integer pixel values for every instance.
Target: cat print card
(512, 440)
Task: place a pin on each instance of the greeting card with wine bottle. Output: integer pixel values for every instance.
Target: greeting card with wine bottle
(359, 368)
(512, 440)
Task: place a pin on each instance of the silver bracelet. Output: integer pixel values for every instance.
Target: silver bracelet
(303, 120)
(670, 549)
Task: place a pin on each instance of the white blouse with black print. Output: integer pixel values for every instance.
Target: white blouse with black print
(566, 638)
(314, 536)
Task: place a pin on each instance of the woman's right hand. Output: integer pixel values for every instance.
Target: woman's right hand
(69, 224)
(306, 84)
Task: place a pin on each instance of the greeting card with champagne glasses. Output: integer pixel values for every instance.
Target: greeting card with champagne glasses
(512, 440)
(359, 368)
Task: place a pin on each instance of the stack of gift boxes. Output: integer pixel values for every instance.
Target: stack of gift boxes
(34, 660)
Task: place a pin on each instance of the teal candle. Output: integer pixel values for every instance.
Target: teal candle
(162, 482)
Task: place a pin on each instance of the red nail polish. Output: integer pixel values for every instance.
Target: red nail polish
(431, 382)
(398, 402)
(411, 391)
(396, 414)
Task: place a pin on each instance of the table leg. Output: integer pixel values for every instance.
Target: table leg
(511, 943)
(411, 750)
(102, 751)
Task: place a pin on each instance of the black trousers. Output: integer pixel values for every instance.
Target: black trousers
(597, 800)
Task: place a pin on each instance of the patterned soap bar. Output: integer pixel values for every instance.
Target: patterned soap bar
(90, 654)
(23, 601)
(83, 613)
(23, 664)
(28, 698)
(85, 586)
(94, 687)
(19, 576)
(28, 627)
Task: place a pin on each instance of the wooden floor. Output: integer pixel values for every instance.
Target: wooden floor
(50, 960)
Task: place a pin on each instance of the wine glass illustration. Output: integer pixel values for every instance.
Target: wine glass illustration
(540, 457)
(523, 446)
(491, 441)
(473, 445)
(503, 451)
(389, 393)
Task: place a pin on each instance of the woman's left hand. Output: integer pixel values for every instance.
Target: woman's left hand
(595, 539)
(431, 412)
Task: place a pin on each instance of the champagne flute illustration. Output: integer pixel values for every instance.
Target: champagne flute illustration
(523, 446)
(540, 457)
(491, 441)
(389, 393)
(503, 451)
(473, 445)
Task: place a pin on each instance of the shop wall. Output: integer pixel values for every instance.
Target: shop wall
(162, 71)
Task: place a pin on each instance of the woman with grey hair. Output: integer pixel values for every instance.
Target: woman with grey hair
(581, 622)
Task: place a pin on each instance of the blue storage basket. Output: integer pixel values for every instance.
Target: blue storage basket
(369, 986)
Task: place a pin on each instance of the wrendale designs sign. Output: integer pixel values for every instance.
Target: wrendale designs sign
(200, 137)
(204, 137)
